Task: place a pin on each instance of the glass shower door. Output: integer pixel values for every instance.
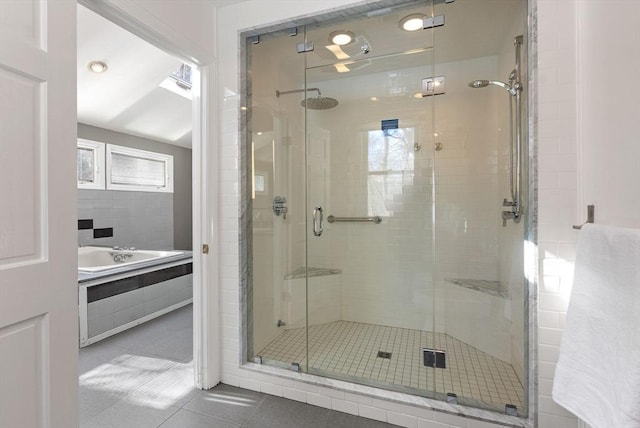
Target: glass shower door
(369, 203)
(275, 142)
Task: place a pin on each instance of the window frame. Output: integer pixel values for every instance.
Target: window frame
(144, 154)
(99, 167)
(388, 172)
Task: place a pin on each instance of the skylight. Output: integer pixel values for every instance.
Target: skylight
(179, 82)
(182, 76)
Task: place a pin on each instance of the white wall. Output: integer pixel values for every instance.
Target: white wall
(188, 27)
(609, 110)
(588, 153)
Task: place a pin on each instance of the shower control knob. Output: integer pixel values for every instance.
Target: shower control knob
(280, 206)
(507, 215)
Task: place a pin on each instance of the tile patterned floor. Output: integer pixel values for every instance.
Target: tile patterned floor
(350, 349)
(143, 378)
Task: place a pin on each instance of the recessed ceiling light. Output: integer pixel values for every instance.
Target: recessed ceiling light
(341, 37)
(374, 99)
(97, 66)
(413, 22)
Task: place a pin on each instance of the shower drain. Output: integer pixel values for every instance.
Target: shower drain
(384, 354)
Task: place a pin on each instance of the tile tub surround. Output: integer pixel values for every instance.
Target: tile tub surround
(127, 219)
(113, 303)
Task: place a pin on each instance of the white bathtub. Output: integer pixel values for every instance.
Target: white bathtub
(99, 259)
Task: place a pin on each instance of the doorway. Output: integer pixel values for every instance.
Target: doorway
(152, 113)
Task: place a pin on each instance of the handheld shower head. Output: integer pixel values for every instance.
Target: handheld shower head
(479, 84)
(485, 83)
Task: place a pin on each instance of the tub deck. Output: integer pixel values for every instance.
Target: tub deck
(124, 269)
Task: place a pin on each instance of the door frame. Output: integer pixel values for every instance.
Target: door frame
(206, 323)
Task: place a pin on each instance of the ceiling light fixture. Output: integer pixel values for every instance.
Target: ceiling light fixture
(412, 22)
(341, 37)
(97, 67)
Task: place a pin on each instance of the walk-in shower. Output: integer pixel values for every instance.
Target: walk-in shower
(372, 227)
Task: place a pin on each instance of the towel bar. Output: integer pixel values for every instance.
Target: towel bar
(374, 219)
(590, 217)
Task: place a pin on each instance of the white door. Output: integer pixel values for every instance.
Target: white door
(38, 238)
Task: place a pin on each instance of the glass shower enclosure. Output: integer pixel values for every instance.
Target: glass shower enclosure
(384, 237)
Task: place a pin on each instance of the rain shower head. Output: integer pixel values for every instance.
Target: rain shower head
(485, 83)
(317, 103)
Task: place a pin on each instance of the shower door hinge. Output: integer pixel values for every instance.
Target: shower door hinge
(433, 21)
(304, 47)
(205, 248)
(433, 86)
(434, 358)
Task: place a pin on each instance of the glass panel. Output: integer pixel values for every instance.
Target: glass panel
(126, 169)
(371, 295)
(275, 142)
(377, 177)
(479, 263)
(86, 165)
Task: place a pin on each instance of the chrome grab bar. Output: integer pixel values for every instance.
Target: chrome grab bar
(317, 221)
(374, 219)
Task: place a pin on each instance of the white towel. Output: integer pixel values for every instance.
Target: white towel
(598, 374)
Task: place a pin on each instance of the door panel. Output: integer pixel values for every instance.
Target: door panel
(370, 306)
(38, 262)
(276, 139)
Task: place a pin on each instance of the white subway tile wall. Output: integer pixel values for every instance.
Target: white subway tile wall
(557, 191)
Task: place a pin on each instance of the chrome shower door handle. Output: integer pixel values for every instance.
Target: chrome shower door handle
(317, 221)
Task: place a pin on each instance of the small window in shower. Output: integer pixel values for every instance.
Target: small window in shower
(390, 157)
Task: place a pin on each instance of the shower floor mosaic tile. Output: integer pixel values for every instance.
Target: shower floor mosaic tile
(345, 348)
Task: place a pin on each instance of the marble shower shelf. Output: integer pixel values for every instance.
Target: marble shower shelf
(492, 288)
(311, 271)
